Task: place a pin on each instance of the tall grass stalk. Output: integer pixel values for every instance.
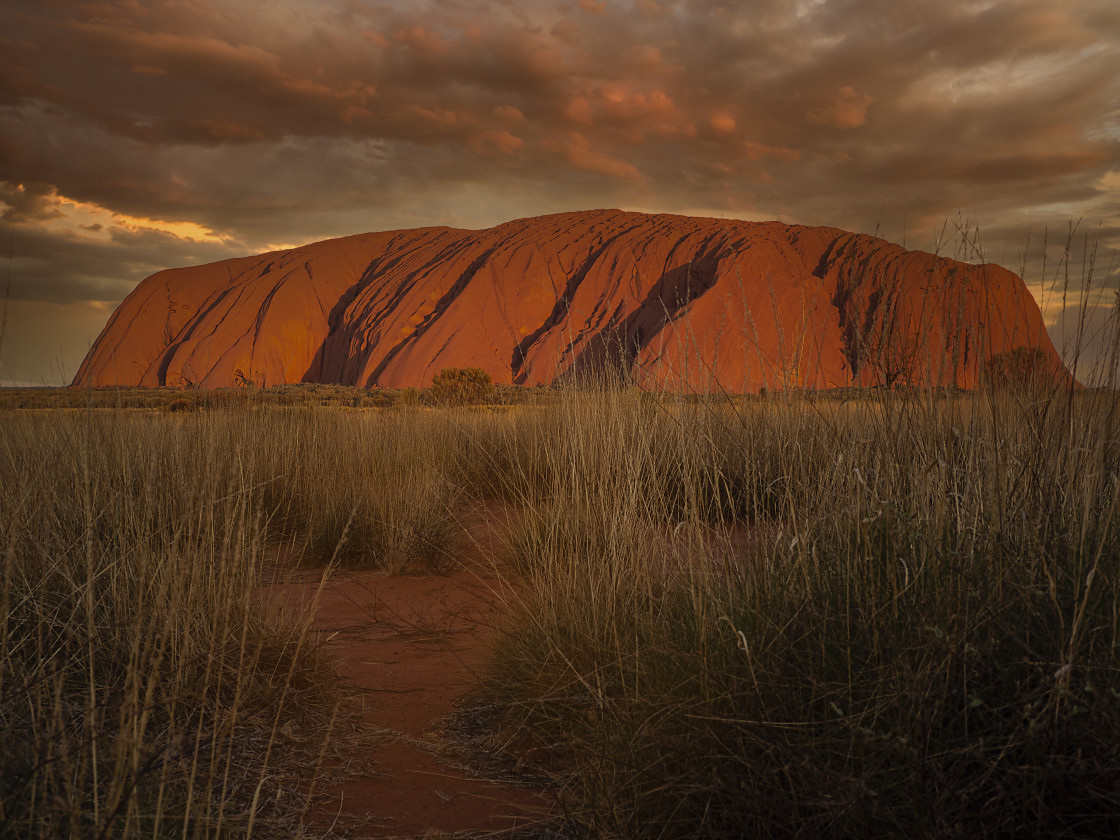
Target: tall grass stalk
(142, 679)
(148, 686)
(807, 616)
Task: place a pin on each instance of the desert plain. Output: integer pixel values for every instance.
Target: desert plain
(588, 609)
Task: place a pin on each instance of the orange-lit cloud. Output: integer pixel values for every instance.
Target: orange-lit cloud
(723, 123)
(502, 141)
(759, 151)
(578, 110)
(422, 40)
(157, 133)
(58, 214)
(848, 111)
(509, 113)
(578, 151)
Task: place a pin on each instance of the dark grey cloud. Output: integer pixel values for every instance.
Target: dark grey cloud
(273, 121)
(61, 269)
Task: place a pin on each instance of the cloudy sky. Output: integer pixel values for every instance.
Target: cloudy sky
(142, 134)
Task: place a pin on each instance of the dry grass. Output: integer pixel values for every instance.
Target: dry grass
(147, 688)
(370, 490)
(307, 394)
(846, 615)
(817, 618)
(144, 689)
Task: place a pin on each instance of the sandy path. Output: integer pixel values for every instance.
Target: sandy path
(413, 646)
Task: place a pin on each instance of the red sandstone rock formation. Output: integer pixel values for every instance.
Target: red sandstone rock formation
(678, 302)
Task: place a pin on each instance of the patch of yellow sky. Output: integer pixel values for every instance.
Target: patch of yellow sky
(1079, 278)
(87, 220)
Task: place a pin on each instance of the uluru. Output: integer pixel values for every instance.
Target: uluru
(675, 302)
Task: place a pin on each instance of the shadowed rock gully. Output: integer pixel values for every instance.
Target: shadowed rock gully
(673, 301)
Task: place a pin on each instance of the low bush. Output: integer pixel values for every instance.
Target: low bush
(461, 386)
(182, 404)
(1023, 368)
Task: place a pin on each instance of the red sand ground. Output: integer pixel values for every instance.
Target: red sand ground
(414, 645)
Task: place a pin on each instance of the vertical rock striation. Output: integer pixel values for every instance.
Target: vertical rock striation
(677, 302)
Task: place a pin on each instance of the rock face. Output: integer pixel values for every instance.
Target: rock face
(675, 301)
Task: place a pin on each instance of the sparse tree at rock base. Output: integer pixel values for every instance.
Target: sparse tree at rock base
(461, 386)
(1024, 368)
(895, 356)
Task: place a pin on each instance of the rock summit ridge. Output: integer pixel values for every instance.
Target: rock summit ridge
(675, 302)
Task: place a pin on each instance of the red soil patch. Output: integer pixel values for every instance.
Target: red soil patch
(414, 646)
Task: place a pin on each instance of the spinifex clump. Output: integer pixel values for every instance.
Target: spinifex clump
(818, 617)
(143, 682)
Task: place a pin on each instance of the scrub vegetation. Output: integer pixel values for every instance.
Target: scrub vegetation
(145, 690)
(835, 614)
(798, 617)
(842, 615)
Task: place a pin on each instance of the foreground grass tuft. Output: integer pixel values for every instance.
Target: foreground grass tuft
(810, 618)
(844, 615)
(145, 689)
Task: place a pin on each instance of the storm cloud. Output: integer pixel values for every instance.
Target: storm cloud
(135, 136)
